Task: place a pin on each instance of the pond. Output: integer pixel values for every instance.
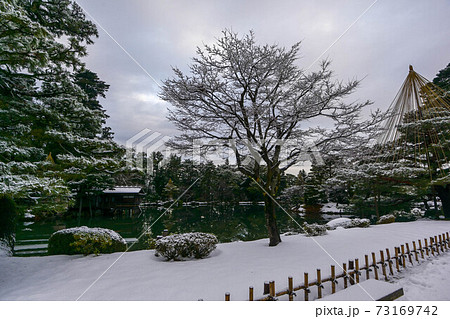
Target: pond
(227, 222)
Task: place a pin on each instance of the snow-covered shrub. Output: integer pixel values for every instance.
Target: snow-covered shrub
(5, 248)
(315, 229)
(386, 219)
(189, 245)
(85, 240)
(347, 223)
(402, 216)
(339, 222)
(360, 222)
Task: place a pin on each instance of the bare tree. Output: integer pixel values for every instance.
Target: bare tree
(256, 100)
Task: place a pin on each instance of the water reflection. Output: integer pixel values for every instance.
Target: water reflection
(227, 222)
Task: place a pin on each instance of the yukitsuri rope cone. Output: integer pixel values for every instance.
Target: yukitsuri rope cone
(415, 132)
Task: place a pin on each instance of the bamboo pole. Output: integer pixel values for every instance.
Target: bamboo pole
(397, 264)
(383, 265)
(437, 245)
(351, 267)
(375, 267)
(388, 255)
(421, 249)
(357, 270)
(408, 251)
(250, 293)
(415, 251)
(426, 247)
(431, 246)
(291, 288)
(272, 289)
(403, 256)
(333, 279)
(344, 267)
(319, 285)
(227, 296)
(266, 288)
(366, 257)
(306, 286)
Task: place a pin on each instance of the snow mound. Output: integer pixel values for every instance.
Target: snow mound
(339, 222)
(348, 223)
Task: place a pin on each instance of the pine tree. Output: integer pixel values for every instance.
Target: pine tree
(53, 138)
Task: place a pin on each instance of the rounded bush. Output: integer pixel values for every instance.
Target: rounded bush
(85, 240)
(315, 229)
(348, 223)
(412, 215)
(360, 222)
(189, 245)
(386, 219)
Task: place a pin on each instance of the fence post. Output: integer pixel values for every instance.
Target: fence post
(408, 251)
(333, 279)
(397, 264)
(306, 284)
(344, 267)
(250, 293)
(375, 267)
(291, 288)
(272, 290)
(383, 265)
(440, 243)
(366, 257)
(426, 247)
(357, 270)
(437, 245)
(389, 260)
(351, 267)
(444, 243)
(415, 251)
(421, 249)
(403, 256)
(319, 285)
(266, 288)
(431, 246)
(227, 296)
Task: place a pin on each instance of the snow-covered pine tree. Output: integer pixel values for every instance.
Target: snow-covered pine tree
(52, 137)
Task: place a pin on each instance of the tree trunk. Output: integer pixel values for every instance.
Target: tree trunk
(271, 221)
(81, 207)
(444, 194)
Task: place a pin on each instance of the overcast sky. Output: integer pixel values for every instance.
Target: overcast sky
(161, 34)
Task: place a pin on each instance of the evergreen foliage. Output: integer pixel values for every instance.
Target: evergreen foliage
(52, 135)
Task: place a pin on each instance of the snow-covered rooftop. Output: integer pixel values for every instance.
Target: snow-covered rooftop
(123, 190)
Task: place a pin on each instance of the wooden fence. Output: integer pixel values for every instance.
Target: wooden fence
(382, 266)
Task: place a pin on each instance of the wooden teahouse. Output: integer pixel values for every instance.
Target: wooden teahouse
(121, 199)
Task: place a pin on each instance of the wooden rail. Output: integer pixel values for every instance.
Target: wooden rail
(353, 274)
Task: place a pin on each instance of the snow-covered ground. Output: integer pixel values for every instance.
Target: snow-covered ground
(427, 281)
(232, 267)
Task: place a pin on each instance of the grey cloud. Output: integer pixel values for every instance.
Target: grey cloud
(161, 34)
